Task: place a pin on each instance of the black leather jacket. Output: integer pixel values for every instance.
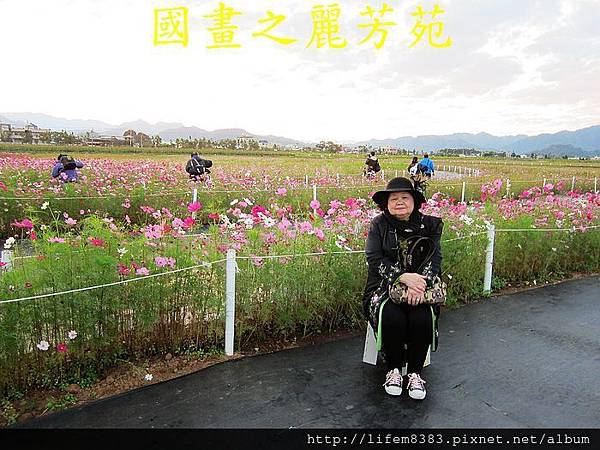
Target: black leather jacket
(382, 247)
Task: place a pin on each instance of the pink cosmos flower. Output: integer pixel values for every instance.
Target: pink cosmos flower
(194, 206)
(213, 216)
(319, 234)
(142, 271)
(305, 227)
(3, 187)
(61, 348)
(56, 240)
(153, 231)
(315, 204)
(32, 235)
(177, 223)
(25, 223)
(2, 264)
(70, 221)
(257, 261)
(162, 261)
(281, 191)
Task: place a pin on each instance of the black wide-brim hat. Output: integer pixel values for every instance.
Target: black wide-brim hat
(399, 184)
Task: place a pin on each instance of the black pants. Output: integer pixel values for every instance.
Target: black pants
(406, 324)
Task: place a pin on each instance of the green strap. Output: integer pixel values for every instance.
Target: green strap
(379, 325)
(433, 322)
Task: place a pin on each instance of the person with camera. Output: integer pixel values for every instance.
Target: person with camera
(403, 255)
(197, 168)
(371, 166)
(65, 168)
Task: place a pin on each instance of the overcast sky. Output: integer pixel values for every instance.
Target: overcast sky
(514, 66)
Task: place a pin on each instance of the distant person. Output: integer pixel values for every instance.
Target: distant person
(66, 168)
(413, 166)
(371, 165)
(428, 163)
(197, 167)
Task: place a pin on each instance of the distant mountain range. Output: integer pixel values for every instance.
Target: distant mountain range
(583, 142)
(168, 131)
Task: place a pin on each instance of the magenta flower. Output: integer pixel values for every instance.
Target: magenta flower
(315, 204)
(281, 191)
(96, 242)
(123, 269)
(194, 206)
(25, 223)
(3, 187)
(61, 348)
(188, 222)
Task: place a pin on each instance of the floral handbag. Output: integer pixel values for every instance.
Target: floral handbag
(435, 293)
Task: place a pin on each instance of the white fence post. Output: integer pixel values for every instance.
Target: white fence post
(595, 185)
(383, 175)
(544, 185)
(306, 180)
(338, 178)
(507, 188)
(462, 196)
(315, 196)
(396, 173)
(6, 256)
(573, 184)
(230, 269)
(194, 200)
(489, 259)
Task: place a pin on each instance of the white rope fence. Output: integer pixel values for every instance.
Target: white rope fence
(314, 187)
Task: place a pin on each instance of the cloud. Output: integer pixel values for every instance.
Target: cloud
(515, 66)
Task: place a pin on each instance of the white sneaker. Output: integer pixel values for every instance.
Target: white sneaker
(393, 382)
(416, 386)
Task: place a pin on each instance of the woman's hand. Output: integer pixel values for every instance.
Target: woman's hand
(415, 297)
(414, 281)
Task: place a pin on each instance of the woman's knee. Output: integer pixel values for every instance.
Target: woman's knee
(393, 316)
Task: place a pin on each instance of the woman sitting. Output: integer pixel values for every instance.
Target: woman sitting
(407, 324)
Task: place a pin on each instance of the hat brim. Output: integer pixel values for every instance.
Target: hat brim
(380, 197)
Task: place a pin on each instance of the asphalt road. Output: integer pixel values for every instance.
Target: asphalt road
(525, 360)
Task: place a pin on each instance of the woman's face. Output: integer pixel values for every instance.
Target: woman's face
(401, 205)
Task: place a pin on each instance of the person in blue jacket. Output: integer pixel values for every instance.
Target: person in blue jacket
(66, 168)
(428, 163)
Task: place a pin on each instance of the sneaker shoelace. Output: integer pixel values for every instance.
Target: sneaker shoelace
(416, 382)
(393, 378)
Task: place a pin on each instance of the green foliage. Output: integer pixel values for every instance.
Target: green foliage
(8, 411)
(61, 403)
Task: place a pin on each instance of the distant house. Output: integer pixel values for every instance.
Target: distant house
(107, 141)
(30, 133)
